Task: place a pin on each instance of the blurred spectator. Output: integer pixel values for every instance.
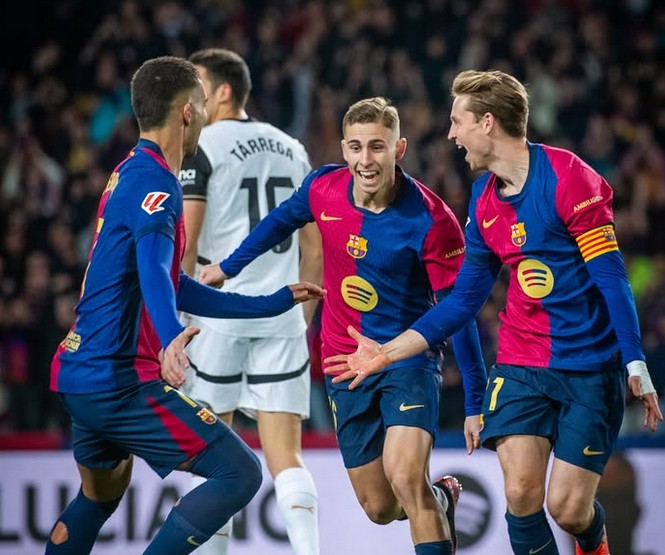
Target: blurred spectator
(597, 86)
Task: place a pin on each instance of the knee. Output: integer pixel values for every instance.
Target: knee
(571, 514)
(524, 497)
(250, 475)
(379, 513)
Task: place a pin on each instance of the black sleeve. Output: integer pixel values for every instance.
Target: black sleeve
(194, 176)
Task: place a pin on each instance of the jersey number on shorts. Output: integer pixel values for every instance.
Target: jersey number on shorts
(252, 186)
(498, 384)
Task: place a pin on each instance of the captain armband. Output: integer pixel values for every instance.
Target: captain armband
(597, 241)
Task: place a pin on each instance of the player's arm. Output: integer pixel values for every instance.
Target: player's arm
(194, 177)
(584, 204)
(469, 356)
(202, 300)
(194, 212)
(608, 272)
(472, 287)
(154, 256)
(311, 263)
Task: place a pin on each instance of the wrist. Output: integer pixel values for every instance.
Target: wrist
(639, 368)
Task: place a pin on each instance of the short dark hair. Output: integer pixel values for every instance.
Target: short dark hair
(156, 84)
(225, 67)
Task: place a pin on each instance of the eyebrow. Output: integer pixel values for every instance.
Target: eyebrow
(371, 142)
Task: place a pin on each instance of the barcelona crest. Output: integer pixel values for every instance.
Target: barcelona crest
(608, 233)
(518, 234)
(356, 246)
(206, 416)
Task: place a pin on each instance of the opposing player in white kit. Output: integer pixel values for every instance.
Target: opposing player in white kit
(243, 169)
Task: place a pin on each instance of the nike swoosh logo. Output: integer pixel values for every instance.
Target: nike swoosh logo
(588, 452)
(325, 218)
(192, 541)
(404, 407)
(532, 551)
(489, 223)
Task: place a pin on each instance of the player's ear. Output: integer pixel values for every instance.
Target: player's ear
(400, 148)
(187, 113)
(488, 122)
(343, 145)
(224, 93)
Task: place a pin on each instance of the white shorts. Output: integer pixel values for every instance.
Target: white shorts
(265, 374)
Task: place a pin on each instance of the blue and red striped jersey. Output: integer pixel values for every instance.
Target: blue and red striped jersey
(555, 315)
(380, 270)
(113, 342)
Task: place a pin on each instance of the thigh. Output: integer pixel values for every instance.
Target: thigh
(371, 486)
(406, 453)
(516, 404)
(410, 397)
(590, 418)
(151, 420)
(216, 375)
(358, 420)
(571, 487)
(524, 461)
(401, 397)
(277, 377)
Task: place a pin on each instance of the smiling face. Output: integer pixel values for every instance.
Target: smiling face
(471, 133)
(371, 151)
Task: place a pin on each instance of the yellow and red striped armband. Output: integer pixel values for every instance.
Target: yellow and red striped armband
(597, 241)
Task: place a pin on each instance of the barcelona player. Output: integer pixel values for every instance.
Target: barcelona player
(569, 329)
(242, 168)
(389, 246)
(107, 369)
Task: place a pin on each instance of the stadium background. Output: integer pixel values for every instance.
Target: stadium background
(595, 70)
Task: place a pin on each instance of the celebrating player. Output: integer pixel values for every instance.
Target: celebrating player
(107, 369)
(241, 170)
(389, 245)
(569, 328)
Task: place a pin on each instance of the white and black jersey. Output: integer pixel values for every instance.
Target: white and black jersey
(242, 170)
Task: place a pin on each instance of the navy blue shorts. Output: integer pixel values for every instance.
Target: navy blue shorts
(579, 412)
(151, 420)
(400, 397)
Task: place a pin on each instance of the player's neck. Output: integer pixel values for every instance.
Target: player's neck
(376, 201)
(229, 112)
(170, 143)
(511, 166)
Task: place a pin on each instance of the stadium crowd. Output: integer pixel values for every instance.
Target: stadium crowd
(595, 70)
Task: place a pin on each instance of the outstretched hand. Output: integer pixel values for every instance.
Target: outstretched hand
(367, 360)
(305, 291)
(212, 275)
(173, 358)
(641, 386)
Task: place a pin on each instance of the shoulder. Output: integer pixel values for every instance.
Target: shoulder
(567, 164)
(328, 174)
(144, 178)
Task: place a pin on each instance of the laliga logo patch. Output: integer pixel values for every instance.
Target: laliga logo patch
(359, 293)
(518, 234)
(153, 202)
(356, 246)
(535, 278)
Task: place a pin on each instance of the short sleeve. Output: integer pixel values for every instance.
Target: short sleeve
(194, 176)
